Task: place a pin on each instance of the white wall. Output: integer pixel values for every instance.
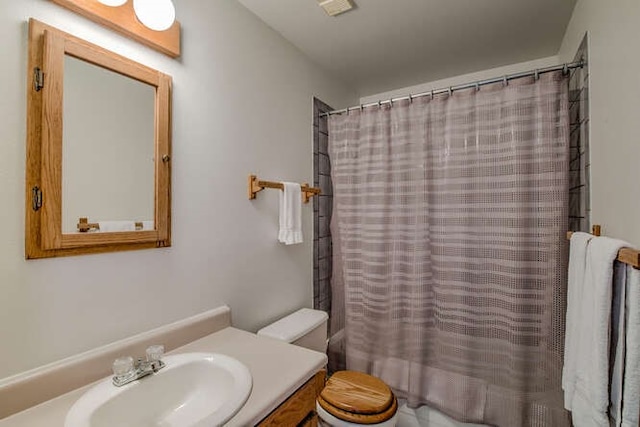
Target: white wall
(465, 78)
(242, 104)
(614, 95)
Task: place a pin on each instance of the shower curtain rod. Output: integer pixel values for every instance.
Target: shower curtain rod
(564, 67)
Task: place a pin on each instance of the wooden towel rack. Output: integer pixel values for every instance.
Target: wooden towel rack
(625, 255)
(255, 185)
(85, 226)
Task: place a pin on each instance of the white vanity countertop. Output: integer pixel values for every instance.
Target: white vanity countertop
(278, 370)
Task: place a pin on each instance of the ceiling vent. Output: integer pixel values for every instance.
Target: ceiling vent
(335, 7)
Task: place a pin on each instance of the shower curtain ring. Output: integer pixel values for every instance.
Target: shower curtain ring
(361, 108)
(433, 95)
(505, 81)
(536, 75)
(477, 87)
(410, 99)
(565, 70)
(450, 91)
(379, 104)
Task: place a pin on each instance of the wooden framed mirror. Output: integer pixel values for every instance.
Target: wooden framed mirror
(98, 149)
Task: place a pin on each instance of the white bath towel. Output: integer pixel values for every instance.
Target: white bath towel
(577, 266)
(617, 343)
(290, 214)
(631, 385)
(112, 226)
(590, 398)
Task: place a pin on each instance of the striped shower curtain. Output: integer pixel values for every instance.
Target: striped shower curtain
(449, 224)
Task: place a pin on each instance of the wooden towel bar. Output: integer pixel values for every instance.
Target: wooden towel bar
(625, 255)
(84, 225)
(256, 185)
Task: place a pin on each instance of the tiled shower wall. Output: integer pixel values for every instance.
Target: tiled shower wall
(579, 200)
(322, 208)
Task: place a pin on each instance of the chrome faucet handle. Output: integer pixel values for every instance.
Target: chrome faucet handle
(154, 357)
(123, 369)
(155, 353)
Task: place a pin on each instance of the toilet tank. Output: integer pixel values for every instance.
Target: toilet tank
(306, 328)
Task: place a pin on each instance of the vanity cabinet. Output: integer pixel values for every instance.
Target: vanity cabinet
(300, 408)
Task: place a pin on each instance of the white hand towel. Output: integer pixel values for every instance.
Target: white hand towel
(577, 265)
(631, 386)
(112, 226)
(591, 394)
(290, 214)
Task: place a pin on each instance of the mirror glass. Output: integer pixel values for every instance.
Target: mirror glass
(108, 149)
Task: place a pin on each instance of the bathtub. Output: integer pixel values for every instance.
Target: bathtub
(425, 416)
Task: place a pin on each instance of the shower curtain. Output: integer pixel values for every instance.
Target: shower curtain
(449, 224)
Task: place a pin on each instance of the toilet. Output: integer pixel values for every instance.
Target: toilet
(349, 398)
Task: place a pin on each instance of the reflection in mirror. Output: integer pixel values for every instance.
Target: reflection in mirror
(107, 149)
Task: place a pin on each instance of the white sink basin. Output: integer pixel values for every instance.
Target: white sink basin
(192, 390)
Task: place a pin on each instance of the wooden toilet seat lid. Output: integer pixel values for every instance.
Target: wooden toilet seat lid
(358, 397)
(359, 418)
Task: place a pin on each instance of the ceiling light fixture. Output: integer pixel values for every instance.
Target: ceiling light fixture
(158, 30)
(113, 3)
(158, 15)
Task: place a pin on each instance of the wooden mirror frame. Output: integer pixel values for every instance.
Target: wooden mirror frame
(43, 225)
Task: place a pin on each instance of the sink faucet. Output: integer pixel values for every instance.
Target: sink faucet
(126, 371)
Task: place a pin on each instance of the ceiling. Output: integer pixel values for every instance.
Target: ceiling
(389, 44)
